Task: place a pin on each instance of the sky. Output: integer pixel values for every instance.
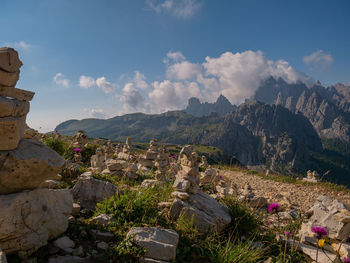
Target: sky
(100, 59)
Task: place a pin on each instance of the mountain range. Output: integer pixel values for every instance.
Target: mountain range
(289, 128)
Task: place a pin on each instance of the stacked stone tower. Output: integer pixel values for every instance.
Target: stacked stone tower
(30, 214)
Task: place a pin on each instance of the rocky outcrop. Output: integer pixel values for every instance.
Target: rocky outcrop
(30, 218)
(222, 106)
(160, 243)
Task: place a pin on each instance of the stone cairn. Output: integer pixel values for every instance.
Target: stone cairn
(109, 150)
(126, 154)
(311, 177)
(162, 163)
(148, 159)
(30, 213)
(98, 161)
(204, 163)
(205, 212)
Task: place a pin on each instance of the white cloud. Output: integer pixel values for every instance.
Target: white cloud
(95, 113)
(239, 75)
(132, 99)
(18, 45)
(60, 80)
(175, 56)
(105, 86)
(183, 70)
(179, 8)
(140, 80)
(319, 60)
(86, 82)
(167, 95)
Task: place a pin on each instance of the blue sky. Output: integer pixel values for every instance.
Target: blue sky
(86, 58)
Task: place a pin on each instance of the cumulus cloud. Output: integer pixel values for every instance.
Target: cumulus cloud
(167, 95)
(239, 75)
(183, 70)
(140, 80)
(179, 8)
(105, 85)
(318, 60)
(95, 113)
(133, 100)
(86, 82)
(175, 56)
(60, 80)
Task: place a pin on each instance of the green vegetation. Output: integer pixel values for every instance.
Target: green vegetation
(57, 145)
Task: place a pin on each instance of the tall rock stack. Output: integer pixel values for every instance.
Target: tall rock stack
(29, 213)
(205, 212)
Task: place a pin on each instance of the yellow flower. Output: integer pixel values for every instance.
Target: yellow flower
(321, 242)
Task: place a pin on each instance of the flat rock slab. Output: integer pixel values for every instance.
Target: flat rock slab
(11, 132)
(207, 213)
(13, 107)
(9, 60)
(9, 79)
(15, 93)
(30, 218)
(28, 166)
(90, 191)
(160, 243)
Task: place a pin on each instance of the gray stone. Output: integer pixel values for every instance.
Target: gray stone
(90, 191)
(76, 209)
(102, 219)
(160, 243)
(206, 213)
(29, 219)
(102, 245)
(34, 163)
(258, 202)
(64, 242)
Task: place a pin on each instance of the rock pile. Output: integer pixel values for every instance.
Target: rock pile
(126, 154)
(29, 215)
(162, 163)
(147, 160)
(311, 177)
(205, 212)
(335, 217)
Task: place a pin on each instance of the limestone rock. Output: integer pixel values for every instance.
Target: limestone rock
(76, 209)
(18, 94)
(89, 191)
(13, 107)
(28, 166)
(160, 243)
(102, 245)
(9, 60)
(11, 132)
(149, 183)
(30, 218)
(102, 219)
(331, 214)
(206, 212)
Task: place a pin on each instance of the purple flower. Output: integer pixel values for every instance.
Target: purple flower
(319, 231)
(287, 233)
(220, 176)
(346, 260)
(77, 150)
(274, 208)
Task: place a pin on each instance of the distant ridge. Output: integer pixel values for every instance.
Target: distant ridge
(222, 106)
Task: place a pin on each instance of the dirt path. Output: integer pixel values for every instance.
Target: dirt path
(302, 196)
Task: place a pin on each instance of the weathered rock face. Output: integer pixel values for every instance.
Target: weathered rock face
(206, 213)
(28, 166)
(222, 106)
(89, 191)
(160, 243)
(30, 218)
(9, 60)
(331, 214)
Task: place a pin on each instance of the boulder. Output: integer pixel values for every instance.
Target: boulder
(331, 214)
(9, 60)
(116, 165)
(206, 213)
(29, 219)
(90, 191)
(64, 242)
(160, 243)
(28, 166)
(11, 132)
